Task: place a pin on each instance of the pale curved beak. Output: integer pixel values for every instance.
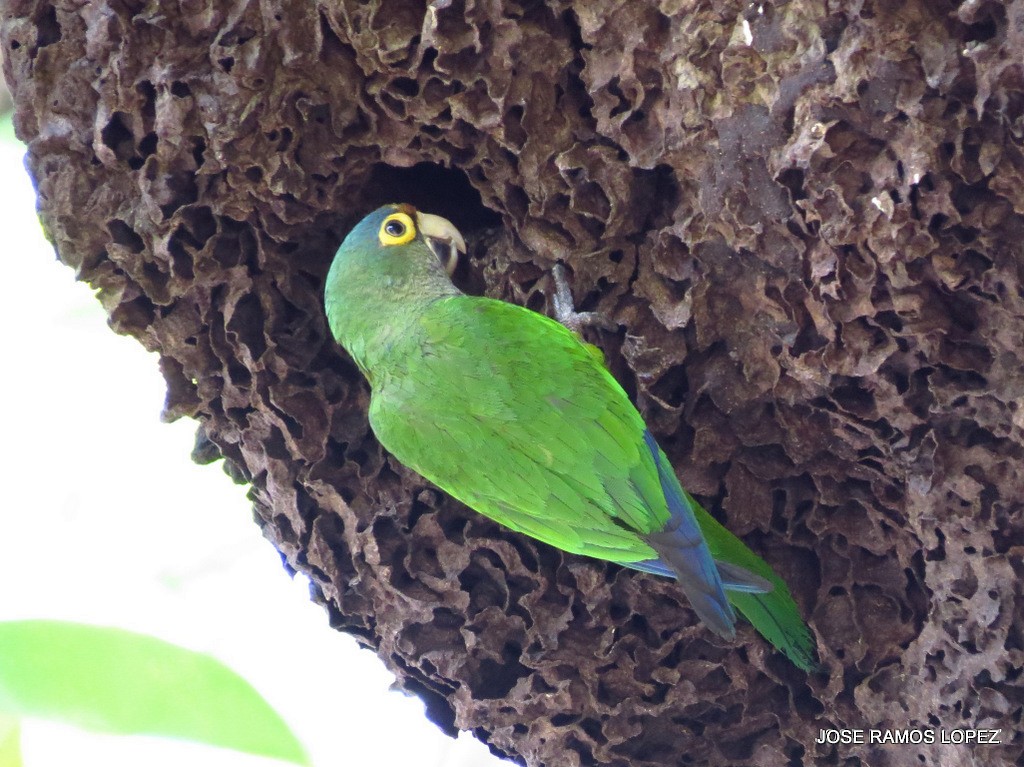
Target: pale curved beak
(442, 238)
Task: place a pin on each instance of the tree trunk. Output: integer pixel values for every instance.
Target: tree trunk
(807, 224)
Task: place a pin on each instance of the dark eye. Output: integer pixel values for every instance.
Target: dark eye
(394, 228)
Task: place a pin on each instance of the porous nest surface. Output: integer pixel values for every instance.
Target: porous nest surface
(806, 223)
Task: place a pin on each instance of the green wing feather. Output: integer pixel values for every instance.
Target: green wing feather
(519, 421)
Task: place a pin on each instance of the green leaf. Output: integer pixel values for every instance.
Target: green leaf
(117, 681)
(10, 742)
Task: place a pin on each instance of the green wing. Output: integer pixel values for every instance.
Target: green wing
(507, 411)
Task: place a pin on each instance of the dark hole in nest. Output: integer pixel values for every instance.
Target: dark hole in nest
(433, 189)
(117, 136)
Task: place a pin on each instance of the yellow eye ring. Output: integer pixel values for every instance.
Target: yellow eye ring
(397, 229)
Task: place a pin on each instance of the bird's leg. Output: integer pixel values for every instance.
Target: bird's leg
(565, 310)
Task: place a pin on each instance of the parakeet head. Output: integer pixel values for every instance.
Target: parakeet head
(398, 234)
(394, 248)
(392, 261)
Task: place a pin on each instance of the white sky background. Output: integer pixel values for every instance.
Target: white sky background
(105, 520)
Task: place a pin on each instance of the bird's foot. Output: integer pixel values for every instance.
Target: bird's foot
(565, 310)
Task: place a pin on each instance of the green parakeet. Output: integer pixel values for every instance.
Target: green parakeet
(512, 414)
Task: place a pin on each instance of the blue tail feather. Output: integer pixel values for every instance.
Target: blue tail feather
(682, 548)
(684, 554)
(734, 577)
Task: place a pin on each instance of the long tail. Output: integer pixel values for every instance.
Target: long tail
(708, 560)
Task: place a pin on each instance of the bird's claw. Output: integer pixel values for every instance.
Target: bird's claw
(565, 310)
